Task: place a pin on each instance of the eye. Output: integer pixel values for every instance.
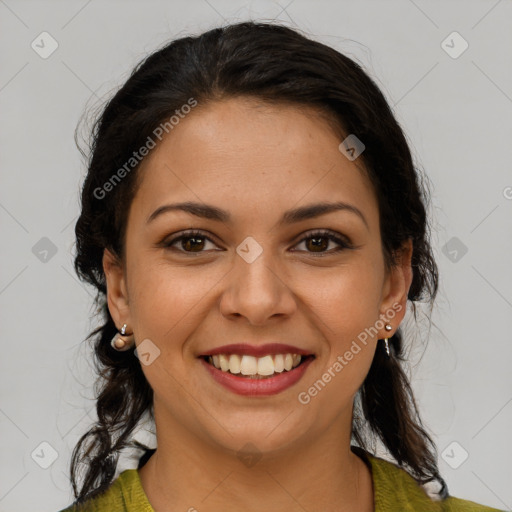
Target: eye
(190, 240)
(318, 241)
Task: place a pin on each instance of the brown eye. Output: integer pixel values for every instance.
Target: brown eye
(319, 241)
(191, 242)
(317, 244)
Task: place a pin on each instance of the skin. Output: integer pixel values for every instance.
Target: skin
(256, 160)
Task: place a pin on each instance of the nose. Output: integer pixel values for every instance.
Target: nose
(258, 290)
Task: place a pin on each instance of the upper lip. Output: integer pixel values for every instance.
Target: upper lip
(256, 350)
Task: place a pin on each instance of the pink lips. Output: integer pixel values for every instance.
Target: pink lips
(258, 387)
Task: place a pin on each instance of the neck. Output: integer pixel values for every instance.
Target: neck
(186, 473)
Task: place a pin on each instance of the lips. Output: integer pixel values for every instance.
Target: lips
(253, 370)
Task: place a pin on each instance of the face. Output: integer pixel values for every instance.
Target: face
(257, 275)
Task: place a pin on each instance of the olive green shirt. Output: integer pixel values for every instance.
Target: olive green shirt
(395, 490)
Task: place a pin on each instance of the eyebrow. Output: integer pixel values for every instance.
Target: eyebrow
(302, 213)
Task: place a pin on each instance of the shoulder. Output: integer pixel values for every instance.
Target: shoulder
(125, 494)
(395, 489)
(456, 504)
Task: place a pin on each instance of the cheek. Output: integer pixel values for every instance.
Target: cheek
(166, 305)
(348, 308)
(347, 299)
(167, 301)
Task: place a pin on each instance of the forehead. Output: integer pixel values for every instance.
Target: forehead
(249, 157)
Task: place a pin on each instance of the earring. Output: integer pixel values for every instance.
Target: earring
(386, 342)
(122, 341)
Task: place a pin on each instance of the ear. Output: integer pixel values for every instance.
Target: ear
(117, 296)
(396, 288)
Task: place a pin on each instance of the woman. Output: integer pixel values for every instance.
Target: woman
(255, 228)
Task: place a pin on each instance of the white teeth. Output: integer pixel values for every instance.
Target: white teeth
(224, 363)
(265, 365)
(253, 366)
(234, 363)
(279, 363)
(248, 365)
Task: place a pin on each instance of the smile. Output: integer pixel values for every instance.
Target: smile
(257, 376)
(255, 367)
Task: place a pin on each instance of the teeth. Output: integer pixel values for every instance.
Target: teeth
(224, 363)
(248, 365)
(278, 363)
(234, 363)
(253, 366)
(265, 365)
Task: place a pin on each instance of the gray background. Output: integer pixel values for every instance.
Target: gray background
(456, 113)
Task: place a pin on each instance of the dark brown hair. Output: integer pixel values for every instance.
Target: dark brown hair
(273, 63)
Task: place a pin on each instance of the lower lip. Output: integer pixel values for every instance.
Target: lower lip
(258, 387)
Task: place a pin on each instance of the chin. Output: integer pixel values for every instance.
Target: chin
(263, 433)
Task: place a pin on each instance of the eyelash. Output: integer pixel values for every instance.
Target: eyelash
(344, 244)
